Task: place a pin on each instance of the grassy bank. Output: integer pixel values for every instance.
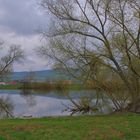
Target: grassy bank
(17, 86)
(44, 86)
(116, 127)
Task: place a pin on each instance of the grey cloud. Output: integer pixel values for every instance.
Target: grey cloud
(19, 21)
(21, 16)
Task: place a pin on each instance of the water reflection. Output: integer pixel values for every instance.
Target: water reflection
(36, 104)
(6, 107)
(84, 105)
(29, 97)
(39, 104)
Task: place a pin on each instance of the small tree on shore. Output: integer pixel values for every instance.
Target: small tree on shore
(13, 54)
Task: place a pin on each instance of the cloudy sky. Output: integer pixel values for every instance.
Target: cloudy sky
(20, 21)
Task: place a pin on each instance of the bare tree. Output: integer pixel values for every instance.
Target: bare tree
(13, 54)
(101, 39)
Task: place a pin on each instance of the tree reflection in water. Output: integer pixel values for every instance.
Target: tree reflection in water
(29, 97)
(82, 106)
(6, 107)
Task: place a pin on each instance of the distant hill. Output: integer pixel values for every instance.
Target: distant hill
(45, 75)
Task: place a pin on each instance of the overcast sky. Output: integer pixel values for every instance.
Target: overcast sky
(19, 22)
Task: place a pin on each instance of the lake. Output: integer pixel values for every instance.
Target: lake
(40, 104)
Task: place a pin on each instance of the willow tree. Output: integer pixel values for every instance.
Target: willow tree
(101, 39)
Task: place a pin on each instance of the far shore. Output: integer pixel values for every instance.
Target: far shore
(44, 86)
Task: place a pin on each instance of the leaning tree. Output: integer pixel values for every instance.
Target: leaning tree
(101, 40)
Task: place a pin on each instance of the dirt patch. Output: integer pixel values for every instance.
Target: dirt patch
(27, 127)
(117, 133)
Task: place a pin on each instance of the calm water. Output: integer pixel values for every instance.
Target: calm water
(41, 104)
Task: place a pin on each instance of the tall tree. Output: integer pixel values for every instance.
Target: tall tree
(101, 39)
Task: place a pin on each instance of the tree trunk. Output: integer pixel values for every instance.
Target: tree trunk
(134, 106)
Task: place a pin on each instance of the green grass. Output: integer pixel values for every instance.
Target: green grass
(17, 86)
(113, 127)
